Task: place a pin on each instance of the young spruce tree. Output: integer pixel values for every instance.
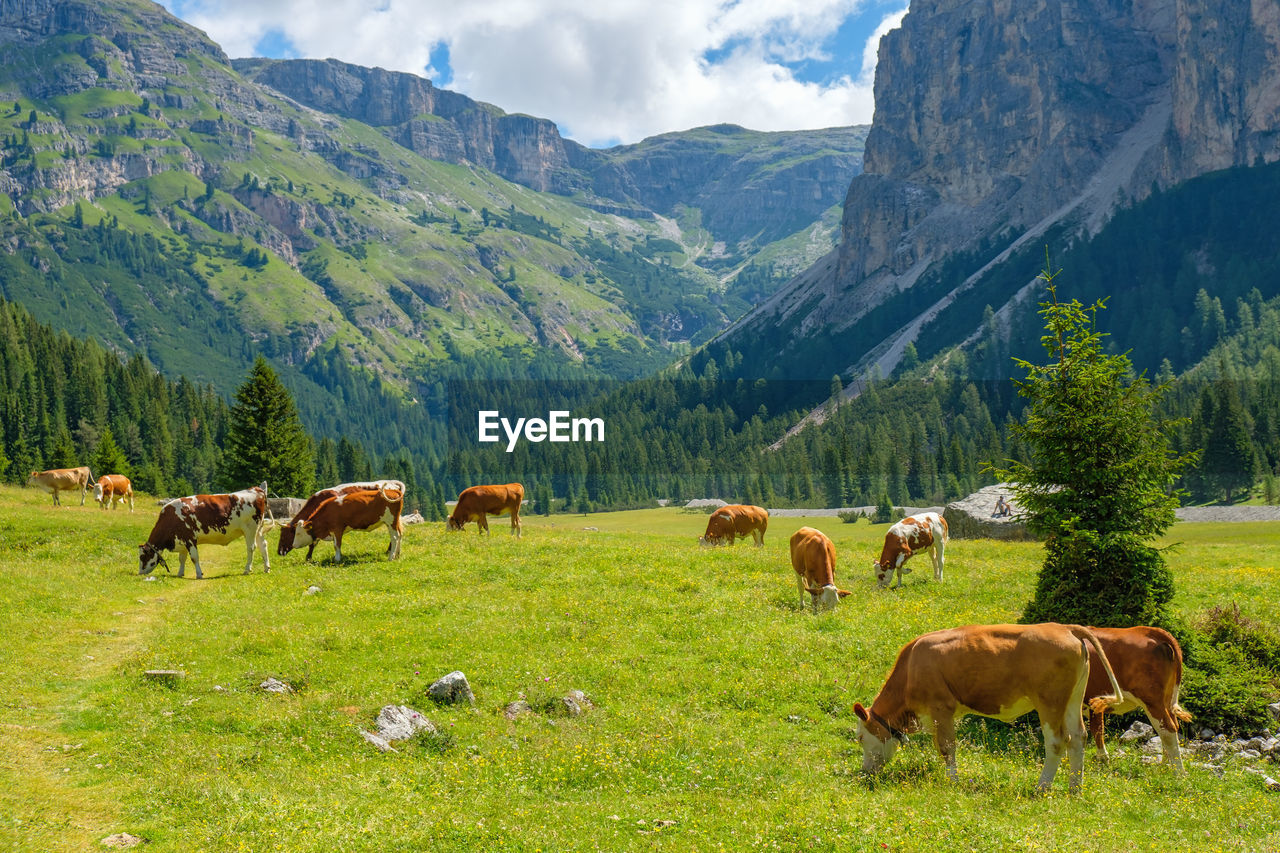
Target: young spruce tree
(265, 439)
(1099, 486)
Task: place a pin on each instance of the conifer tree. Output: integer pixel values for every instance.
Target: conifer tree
(1098, 486)
(1228, 463)
(107, 456)
(265, 438)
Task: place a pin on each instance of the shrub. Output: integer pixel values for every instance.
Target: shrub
(850, 516)
(1232, 672)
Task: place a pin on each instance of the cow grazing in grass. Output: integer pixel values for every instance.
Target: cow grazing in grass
(1001, 671)
(736, 520)
(359, 509)
(195, 520)
(113, 489)
(1148, 664)
(287, 532)
(912, 534)
(813, 556)
(61, 480)
(477, 503)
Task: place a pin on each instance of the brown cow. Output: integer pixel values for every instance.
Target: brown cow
(361, 509)
(736, 520)
(62, 480)
(112, 489)
(813, 556)
(914, 533)
(1000, 671)
(477, 503)
(195, 520)
(308, 509)
(1148, 665)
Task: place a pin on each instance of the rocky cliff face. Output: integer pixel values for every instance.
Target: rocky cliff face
(997, 121)
(720, 169)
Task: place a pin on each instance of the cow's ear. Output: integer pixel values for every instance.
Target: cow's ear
(843, 592)
(861, 712)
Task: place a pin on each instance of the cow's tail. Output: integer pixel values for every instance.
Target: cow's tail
(1099, 704)
(1173, 651)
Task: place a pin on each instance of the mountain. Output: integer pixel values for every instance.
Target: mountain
(166, 199)
(999, 132)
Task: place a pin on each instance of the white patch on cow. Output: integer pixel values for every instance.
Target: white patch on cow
(827, 599)
(876, 753)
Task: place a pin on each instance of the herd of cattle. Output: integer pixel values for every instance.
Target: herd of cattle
(1000, 671)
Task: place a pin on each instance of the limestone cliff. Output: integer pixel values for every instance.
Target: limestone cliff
(998, 122)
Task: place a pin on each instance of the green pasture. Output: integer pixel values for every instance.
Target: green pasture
(721, 716)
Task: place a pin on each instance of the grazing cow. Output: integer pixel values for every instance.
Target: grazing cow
(112, 489)
(914, 533)
(1000, 671)
(1148, 665)
(477, 503)
(62, 480)
(286, 533)
(195, 520)
(813, 556)
(360, 509)
(736, 520)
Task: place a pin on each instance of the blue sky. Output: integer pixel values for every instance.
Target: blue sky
(606, 71)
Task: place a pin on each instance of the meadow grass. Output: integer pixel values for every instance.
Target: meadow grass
(721, 706)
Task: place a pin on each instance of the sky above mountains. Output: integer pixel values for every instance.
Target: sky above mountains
(608, 71)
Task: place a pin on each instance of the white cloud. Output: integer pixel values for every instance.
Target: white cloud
(605, 71)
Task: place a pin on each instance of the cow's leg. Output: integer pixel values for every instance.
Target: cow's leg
(937, 563)
(130, 496)
(1055, 740)
(515, 523)
(261, 540)
(800, 586)
(483, 522)
(397, 534)
(56, 502)
(1166, 727)
(337, 545)
(944, 738)
(310, 549)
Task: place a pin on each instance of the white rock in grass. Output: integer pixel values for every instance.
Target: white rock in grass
(452, 688)
(275, 685)
(378, 741)
(398, 722)
(312, 590)
(1275, 711)
(516, 708)
(1137, 731)
(121, 841)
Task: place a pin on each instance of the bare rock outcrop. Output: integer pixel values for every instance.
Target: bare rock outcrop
(974, 517)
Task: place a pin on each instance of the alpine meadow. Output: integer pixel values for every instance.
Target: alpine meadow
(909, 485)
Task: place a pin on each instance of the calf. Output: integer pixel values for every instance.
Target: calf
(1000, 671)
(308, 509)
(736, 520)
(61, 480)
(477, 503)
(112, 489)
(914, 533)
(362, 509)
(195, 520)
(1148, 665)
(813, 556)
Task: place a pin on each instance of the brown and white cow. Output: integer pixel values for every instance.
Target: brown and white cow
(477, 503)
(1148, 664)
(914, 533)
(113, 489)
(813, 556)
(359, 509)
(195, 520)
(286, 543)
(736, 520)
(1001, 671)
(62, 480)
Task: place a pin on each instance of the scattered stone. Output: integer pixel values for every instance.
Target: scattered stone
(1206, 734)
(1137, 731)
(275, 685)
(1275, 711)
(517, 708)
(168, 676)
(452, 688)
(378, 741)
(312, 590)
(1272, 784)
(591, 528)
(571, 707)
(149, 579)
(218, 688)
(398, 722)
(1250, 753)
(412, 518)
(580, 699)
(121, 841)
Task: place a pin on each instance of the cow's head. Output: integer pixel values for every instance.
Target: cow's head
(286, 540)
(149, 556)
(884, 571)
(453, 523)
(879, 742)
(827, 597)
(31, 479)
(301, 534)
(708, 539)
(97, 492)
